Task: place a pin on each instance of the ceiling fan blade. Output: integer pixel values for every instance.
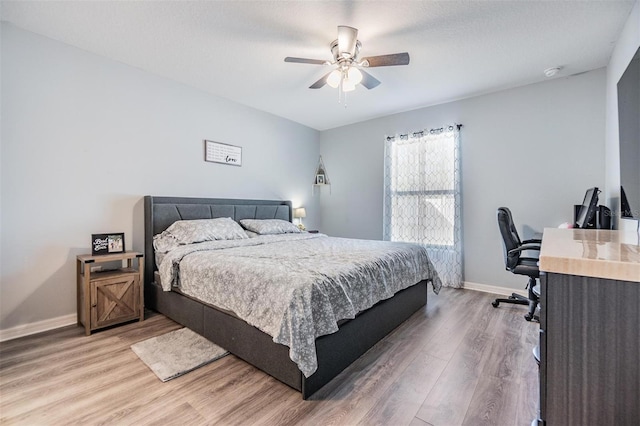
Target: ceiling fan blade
(388, 60)
(347, 39)
(318, 84)
(368, 80)
(305, 61)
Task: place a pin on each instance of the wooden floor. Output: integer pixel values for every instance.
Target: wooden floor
(457, 362)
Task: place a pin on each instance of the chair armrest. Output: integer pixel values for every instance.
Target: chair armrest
(530, 247)
(524, 247)
(534, 241)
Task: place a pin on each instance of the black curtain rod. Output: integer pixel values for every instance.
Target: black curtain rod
(430, 131)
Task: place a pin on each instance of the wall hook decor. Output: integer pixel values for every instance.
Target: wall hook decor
(321, 178)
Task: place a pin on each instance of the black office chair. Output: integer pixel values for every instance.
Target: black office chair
(518, 264)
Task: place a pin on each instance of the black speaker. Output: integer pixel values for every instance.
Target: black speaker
(604, 217)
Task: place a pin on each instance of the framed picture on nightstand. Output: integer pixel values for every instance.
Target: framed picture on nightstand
(107, 243)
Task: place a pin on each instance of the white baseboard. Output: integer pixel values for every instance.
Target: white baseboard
(37, 327)
(502, 291)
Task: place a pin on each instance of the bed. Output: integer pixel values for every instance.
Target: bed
(354, 333)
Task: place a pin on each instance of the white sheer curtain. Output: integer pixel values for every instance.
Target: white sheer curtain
(422, 196)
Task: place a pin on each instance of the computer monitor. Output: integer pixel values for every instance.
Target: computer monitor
(587, 215)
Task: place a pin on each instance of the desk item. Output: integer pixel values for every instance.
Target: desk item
(516, 263)
(589, 327)
(585, 214)
(600, 220)
(604, 217)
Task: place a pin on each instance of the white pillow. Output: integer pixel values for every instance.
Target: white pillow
(269, 226)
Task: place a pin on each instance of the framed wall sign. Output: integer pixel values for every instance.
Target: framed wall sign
(107, 243)
(217, 152)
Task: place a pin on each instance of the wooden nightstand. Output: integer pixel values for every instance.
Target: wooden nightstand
(112, 296)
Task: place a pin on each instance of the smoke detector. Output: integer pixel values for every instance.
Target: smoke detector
(550, 72)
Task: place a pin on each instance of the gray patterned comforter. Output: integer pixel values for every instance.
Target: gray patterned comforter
(296, 287)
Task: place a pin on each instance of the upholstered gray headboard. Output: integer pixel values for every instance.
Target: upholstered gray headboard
(161, 212)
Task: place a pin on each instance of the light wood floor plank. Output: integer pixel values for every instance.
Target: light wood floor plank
(492, 402)
(407, 393)
(457, 383)
(459, 361)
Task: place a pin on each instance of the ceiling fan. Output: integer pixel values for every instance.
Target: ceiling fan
(348, 71)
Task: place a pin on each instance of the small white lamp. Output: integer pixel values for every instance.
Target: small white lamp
(300, 213)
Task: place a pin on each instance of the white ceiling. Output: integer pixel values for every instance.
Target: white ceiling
(236, 49)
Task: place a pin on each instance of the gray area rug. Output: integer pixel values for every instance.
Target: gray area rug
(176, 353)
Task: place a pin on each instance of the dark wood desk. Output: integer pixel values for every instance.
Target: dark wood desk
(590, 328)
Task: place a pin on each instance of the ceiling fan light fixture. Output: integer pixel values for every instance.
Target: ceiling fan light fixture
(334, 79)
(354, 75)
(348, 85)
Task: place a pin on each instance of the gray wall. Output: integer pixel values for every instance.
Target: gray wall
(534, 149)
(625, 48)
(85, 138)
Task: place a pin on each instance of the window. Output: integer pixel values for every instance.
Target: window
(422, 196)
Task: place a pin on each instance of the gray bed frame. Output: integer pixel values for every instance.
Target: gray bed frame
(335, 352)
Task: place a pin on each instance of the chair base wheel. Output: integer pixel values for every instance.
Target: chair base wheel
(495, 304)
(533, 318)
